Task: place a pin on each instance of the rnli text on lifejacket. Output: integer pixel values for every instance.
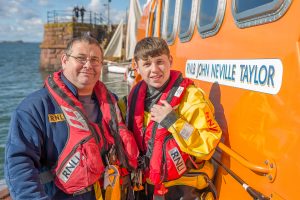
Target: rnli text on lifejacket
(70, 167)
(177, 160)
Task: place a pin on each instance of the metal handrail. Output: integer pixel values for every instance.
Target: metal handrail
(256, 168)
(60, 16)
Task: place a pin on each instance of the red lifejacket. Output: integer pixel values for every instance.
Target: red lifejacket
(167, 161)
(80, 164)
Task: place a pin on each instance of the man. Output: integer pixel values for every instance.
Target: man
(63, 136)
(76, 13)
(82, 10)
(174, 127)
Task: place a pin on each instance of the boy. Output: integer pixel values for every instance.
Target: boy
(173, 124)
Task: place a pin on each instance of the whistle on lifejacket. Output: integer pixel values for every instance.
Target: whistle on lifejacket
(138, 181)
(160, 190)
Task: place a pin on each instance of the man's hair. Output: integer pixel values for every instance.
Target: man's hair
(84, 38)
(150, 47)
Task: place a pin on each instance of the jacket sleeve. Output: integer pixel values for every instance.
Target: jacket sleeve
(22, 158)
(193, 125)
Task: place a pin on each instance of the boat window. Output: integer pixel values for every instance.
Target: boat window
(185, 16)
(211, 14)
(247, 5)
(188, 14)
(252, 13)
(172, 7)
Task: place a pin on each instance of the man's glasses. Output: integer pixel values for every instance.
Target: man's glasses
(83, 60)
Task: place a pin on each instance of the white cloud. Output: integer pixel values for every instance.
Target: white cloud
(29, 31)
(4, 28)
(20, 21)
(94, 6)
(117, 15)
(20, 29)
(33, 21)
(43, 2)
(26, 30)
(24, 19)
(9, 8)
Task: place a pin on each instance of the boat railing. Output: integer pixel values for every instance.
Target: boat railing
(268, 169)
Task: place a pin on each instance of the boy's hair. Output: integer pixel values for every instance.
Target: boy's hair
(84, 38)
(150, 47)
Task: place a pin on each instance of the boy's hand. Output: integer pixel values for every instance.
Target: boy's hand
(159, 112)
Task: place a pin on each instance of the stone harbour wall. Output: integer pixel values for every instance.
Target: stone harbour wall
(57, 35)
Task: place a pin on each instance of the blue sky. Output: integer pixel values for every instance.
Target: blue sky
(24, 19)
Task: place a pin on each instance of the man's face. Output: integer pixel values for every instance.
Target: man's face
(83, 76)
(155, 71)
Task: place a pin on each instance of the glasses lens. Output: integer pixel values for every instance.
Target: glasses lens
(83, 60)
(95, 61)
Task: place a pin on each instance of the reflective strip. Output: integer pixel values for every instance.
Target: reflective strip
(69, 168)
(179, 91)
(74, 118)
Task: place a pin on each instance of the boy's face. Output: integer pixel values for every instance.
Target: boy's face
(155, 71)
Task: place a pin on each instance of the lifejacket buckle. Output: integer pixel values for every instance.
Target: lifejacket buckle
(110, 176)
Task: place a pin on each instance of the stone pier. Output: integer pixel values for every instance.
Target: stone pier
(57, 35)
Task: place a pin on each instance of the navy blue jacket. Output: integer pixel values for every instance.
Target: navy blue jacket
(34, 145)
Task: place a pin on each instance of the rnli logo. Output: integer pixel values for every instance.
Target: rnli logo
(210, 122)
(69, 168)
(177, 160)
(56, 117)
(74, 118)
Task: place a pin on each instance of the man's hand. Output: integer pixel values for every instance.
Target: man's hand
(159, 112)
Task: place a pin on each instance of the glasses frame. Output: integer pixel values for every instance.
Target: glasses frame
(99, 62)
